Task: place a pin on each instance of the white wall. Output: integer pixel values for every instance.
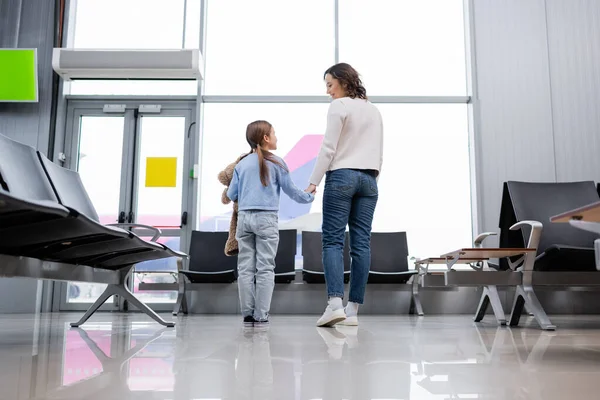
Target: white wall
(538, 95)
(574, 53)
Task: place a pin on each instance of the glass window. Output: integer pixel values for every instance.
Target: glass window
(299, 129)
(405, 47)
(99, 163)
(192, 24)
(160, 137)
(129, 24)
(136, 24)
(268, 47)
(424, 188)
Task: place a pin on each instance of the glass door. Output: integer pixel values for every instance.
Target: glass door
(158, 194)
(134, 160)
(100, 155)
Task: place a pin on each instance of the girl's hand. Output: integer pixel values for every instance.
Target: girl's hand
(311, 189)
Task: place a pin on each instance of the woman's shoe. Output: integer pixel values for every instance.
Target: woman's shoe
(331, 317)
(349, 321)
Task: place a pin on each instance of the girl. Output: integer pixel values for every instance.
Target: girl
(257, 181)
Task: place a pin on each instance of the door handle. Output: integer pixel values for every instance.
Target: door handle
(121, 219)
(184, 219)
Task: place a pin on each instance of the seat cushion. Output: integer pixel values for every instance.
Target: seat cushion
(566, 258)
(386, 278)
(310, 276)
(16, 212)
(210, 277)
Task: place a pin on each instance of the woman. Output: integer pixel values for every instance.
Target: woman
(351, 157)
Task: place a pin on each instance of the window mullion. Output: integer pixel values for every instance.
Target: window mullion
(336, 27)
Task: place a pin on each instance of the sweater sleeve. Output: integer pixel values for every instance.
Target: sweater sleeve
(335, 122)
(289, 188)
(232, 191)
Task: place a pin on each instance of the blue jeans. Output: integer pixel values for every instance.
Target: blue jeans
(349, 198)
(258, 237)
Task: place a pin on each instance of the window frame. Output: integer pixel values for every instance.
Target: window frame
(469, 99)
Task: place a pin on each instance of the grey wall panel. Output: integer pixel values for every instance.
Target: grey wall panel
(574, 49)
(27, 24)
(30, 24)
(514, 139)
(10, 11)
(311, 299)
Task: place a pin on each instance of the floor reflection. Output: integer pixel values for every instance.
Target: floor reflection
(103, 358)
(126, 357)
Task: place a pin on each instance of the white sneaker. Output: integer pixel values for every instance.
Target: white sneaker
(331, 317)
(349, 321)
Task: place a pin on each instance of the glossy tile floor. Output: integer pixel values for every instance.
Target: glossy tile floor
(119, 356)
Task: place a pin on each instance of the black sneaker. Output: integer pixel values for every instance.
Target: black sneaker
(249, 321)
(261, 324)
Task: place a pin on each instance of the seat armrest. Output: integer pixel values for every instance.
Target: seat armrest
(534, 236)
(481, 237)
(532, 243)
(157, 232)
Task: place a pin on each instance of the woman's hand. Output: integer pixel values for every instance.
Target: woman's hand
(311, 189)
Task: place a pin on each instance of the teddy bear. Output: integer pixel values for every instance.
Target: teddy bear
(225, 176)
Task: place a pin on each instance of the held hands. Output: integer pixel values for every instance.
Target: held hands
(312, 189)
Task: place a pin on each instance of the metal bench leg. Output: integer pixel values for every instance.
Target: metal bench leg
(178, 303)
(415, 301)
(184, 305)
(122, 290)
(526, 296)
(94, 307)
(491, 297)
(597, 253)
(181, 303)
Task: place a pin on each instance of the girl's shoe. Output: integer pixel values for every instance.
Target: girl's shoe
(261, 324)
(249, 321)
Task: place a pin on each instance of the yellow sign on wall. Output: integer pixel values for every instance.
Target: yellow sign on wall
(161, 172)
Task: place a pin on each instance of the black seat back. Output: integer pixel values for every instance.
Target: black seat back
(285, 260)
(69, 188)
(22, 174)
(389, 252)
(207, 253)
(539, 202)
(312, 252)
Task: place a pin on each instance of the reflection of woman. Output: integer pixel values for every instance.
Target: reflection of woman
(351, 157)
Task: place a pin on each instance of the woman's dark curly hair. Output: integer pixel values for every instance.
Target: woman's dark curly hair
(349, 79)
